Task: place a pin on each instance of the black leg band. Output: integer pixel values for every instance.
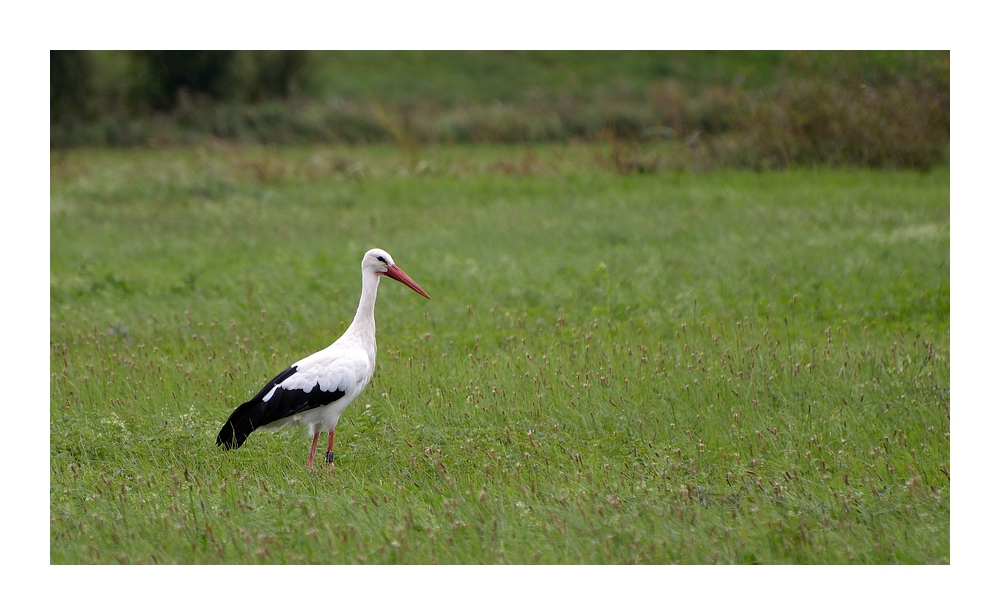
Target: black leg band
(329, 456)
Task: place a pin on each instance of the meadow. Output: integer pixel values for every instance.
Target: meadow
(617, 366)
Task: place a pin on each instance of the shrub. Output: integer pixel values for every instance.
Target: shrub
(816, 122)
(169, 73)
(70, 86)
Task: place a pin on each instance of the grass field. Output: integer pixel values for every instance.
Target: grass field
(614, 368)
(510, 76)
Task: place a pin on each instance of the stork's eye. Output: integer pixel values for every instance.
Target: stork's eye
(381, 259)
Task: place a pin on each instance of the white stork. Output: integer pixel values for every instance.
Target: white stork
(315, 390)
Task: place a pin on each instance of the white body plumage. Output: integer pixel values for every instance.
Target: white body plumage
(346, 365)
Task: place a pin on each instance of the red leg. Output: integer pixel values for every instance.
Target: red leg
(329, 451)
(312, 452)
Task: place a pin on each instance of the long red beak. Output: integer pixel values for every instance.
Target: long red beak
(400, 276)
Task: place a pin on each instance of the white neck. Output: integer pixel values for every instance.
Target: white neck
(363, 325)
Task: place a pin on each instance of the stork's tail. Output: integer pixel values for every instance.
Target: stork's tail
(238, 426)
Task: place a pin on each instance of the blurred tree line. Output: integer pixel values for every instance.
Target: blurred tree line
(158, 80)
(743, 109)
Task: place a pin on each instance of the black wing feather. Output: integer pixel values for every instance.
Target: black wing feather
(283, 403)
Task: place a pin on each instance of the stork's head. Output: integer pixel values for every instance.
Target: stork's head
(380, 263)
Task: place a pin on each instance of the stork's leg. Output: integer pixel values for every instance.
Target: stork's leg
(329, 451)
(312, 452)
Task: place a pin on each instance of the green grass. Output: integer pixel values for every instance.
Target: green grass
(421, 78)
(666, 368)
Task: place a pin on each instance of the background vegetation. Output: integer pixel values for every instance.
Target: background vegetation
(754, 110)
